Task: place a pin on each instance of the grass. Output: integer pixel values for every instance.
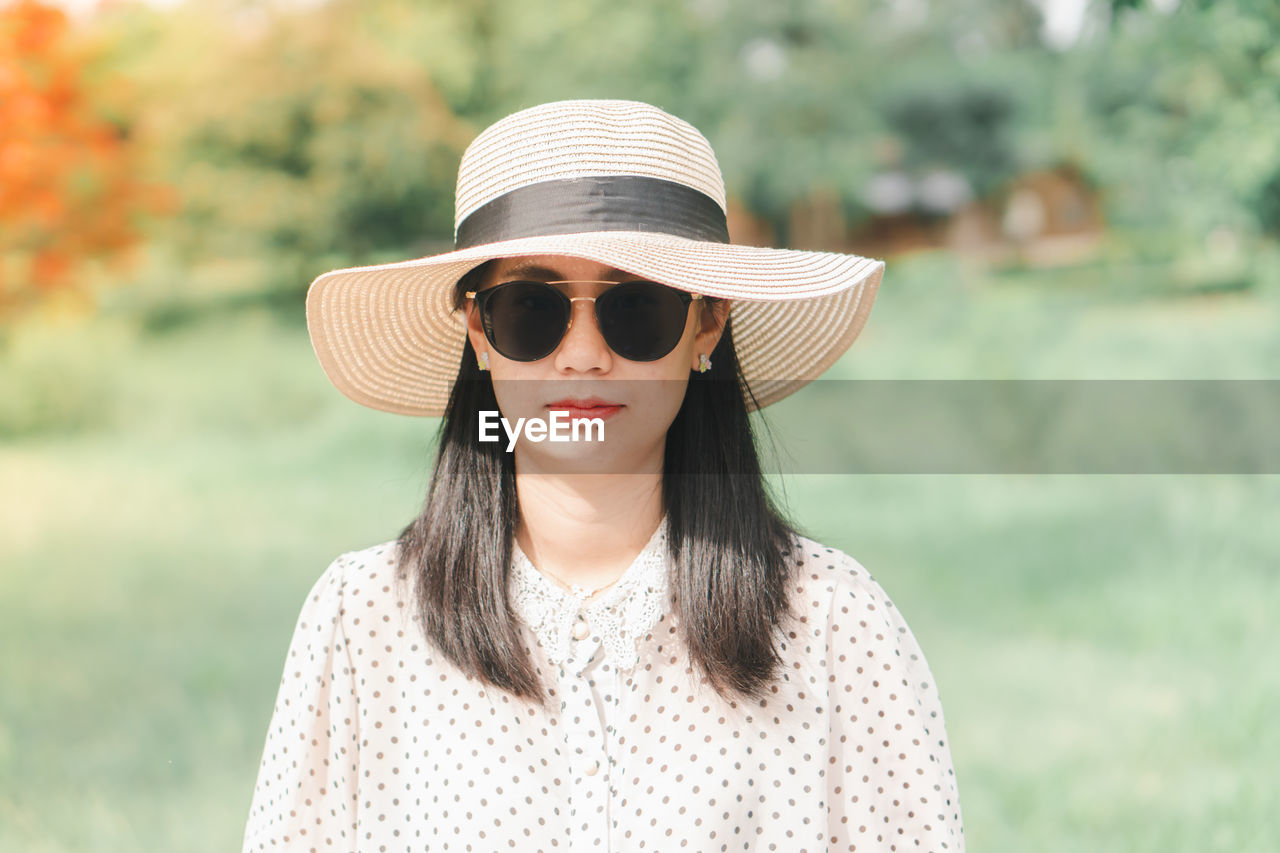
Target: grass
(1104, 645)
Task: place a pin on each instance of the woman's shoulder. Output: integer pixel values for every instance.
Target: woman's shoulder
(368, 562)
(830, 583)
(822, 569)
(838, 599)
(369, 573)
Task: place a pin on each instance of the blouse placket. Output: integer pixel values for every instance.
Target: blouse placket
(592, 642)
(585, 741)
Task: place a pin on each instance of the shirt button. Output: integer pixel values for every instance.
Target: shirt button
(592, 769)
(581, 630)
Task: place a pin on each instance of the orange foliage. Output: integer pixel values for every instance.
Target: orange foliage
(68, 189)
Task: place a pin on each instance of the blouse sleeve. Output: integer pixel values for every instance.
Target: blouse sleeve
(891, 783)
(305, 797)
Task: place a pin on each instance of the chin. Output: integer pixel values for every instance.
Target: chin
(611, 458)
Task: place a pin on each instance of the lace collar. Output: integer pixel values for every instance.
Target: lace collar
(622, 615)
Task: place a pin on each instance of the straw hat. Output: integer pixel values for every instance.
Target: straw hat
(620, 183)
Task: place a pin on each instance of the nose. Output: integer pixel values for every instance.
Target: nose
(583, 349)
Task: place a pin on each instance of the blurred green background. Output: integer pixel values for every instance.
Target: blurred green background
(1064, 190)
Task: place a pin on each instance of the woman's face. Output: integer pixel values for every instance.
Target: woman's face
(584, 379)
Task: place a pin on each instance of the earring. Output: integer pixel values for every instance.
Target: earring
(704, 363)
(484, 361)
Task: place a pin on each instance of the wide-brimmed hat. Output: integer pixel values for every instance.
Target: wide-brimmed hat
(620, 183)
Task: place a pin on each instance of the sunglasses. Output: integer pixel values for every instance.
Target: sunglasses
(527, 320)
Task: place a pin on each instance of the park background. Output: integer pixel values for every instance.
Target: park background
(1064, 190)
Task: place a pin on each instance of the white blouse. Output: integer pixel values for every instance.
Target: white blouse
(379, 744)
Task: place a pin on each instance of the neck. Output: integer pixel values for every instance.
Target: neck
(586, 529)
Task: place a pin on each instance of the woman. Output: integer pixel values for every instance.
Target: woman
(613, 642)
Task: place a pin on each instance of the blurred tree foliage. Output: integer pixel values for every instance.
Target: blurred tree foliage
(67, 187)
(1177, 115)
(965, 130)
(305, 136)
(296, 138)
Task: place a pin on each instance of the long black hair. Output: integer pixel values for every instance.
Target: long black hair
(728, 544)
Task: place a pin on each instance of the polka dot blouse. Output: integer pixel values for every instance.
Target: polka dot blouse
(379, 744)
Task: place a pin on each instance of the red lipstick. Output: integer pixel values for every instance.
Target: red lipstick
(588, 407)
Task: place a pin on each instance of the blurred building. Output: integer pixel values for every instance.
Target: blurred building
(1049, 217)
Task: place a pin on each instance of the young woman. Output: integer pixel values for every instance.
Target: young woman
(615, 641)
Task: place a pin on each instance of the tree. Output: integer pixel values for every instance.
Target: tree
(1180, 117)
(68, 188)
(300, 139)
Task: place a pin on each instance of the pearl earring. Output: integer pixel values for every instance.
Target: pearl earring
(704, 363)
(484, 361)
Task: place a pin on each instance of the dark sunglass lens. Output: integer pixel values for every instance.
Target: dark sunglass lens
(526, 319)
(641, 320)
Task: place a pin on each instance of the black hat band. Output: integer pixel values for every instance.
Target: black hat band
(606, 203)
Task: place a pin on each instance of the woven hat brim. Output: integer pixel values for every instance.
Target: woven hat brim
(388, 338)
